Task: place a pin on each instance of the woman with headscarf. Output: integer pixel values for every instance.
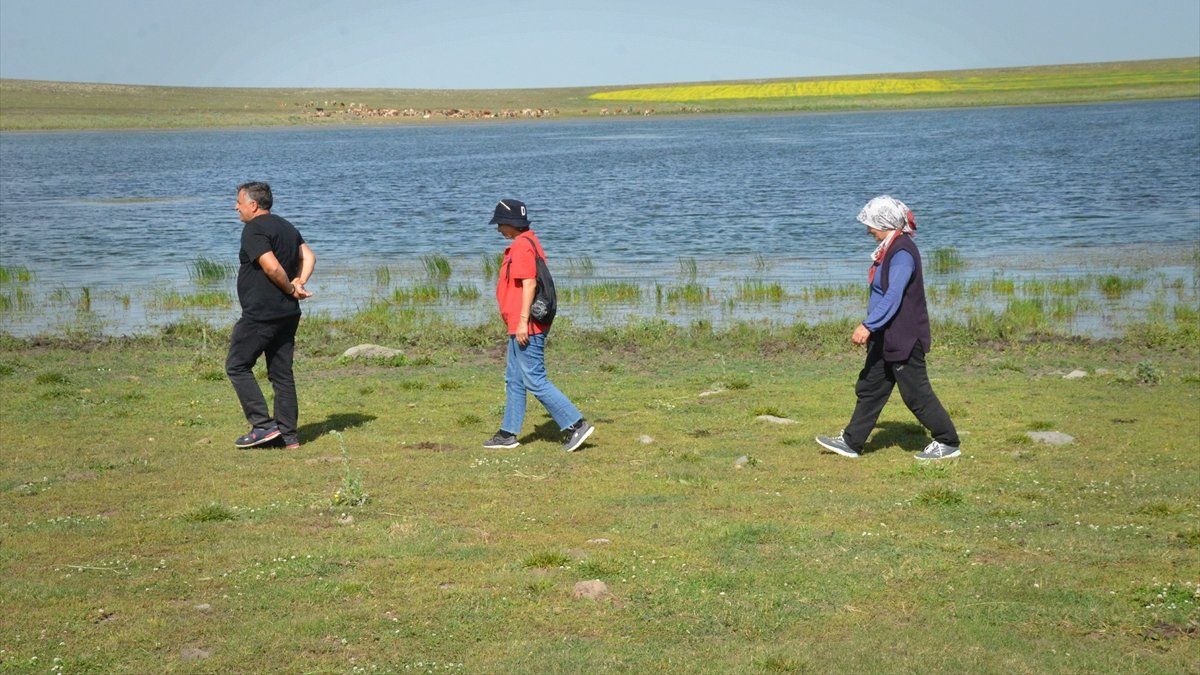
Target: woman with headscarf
(896, 333)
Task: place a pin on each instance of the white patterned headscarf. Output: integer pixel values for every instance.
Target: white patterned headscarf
(888, 213)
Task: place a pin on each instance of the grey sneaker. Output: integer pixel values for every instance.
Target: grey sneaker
(502, 441)
(937, 450)
(837, 444)
(577, 434)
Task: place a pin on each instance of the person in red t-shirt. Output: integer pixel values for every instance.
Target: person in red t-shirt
(526, 371)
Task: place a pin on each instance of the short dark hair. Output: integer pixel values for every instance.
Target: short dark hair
(258, 192)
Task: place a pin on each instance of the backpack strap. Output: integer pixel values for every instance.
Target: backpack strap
(535, 250)
(536, 255)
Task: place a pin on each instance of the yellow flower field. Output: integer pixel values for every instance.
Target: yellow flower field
(912, 85)
(708, 92)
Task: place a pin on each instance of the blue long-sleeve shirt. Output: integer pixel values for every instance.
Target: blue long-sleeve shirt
(881, 307)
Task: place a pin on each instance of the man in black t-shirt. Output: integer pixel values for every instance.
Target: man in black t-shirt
(275, 265)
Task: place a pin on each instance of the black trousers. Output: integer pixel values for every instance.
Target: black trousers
(277, 339)
(874, 387)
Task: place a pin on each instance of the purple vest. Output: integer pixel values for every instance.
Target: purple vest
(910, 324)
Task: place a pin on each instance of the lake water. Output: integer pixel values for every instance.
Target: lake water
(124, 213)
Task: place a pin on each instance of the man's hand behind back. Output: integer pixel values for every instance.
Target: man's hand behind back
(301, 292)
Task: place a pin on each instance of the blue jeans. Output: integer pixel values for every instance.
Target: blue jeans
(526, 371)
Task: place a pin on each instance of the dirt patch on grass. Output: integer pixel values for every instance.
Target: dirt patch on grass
(1170, 631)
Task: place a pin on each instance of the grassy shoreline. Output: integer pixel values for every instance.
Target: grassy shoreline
(568, 119)
(136, 539)
(38, 105)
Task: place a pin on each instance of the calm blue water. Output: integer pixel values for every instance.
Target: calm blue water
(992, 182)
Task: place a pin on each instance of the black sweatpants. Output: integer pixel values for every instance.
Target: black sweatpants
(874, 386)
(276, 339)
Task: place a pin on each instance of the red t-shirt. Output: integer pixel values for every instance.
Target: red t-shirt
(519, 263)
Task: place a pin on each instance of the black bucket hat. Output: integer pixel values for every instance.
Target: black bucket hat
(510, 212)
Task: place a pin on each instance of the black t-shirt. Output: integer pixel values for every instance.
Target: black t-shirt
(261, 299)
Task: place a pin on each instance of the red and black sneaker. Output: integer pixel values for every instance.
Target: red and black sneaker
(257, 437)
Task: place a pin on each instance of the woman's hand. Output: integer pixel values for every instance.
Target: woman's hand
(860, 335)
(523, 331)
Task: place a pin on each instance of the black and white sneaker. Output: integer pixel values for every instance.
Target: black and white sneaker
(837, 444)
(936, 450)
(502, 441)
(576, 434)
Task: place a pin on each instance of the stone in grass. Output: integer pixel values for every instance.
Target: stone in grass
(599, 540)
(194, 653)
(591, 590)
(741, 462)
(646, 440)
(775, 420)
(204, 608)
(1075, 375)
(370, 351)
(1050, 437)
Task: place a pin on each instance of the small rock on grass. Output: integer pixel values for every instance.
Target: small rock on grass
(646, 440)
(599, 540)
(1050, 437)
(203, 607)
(370, 351)
(711, 392)
(775, 420)
(590, 590)
(346, 519)
(1075, 375)
(741, 462)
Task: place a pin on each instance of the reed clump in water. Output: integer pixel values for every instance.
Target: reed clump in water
(581, 266)
(437, 267)
(946, 260)
(756, 290)
(204, 270)
(15, 274)
(174, 300)
(601, 293)
(490, 265)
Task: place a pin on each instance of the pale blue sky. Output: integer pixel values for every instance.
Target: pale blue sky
(540, 43)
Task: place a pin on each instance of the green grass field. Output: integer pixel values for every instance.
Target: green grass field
(31, 105)
(134, 537)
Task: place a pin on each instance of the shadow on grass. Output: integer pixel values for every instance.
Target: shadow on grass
(909, 436)
(546, 431)
(549, 431)
(335, 422)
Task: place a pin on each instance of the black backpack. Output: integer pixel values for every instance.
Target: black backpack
(545, 300)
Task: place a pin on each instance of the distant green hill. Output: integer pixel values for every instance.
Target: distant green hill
(33, 105)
